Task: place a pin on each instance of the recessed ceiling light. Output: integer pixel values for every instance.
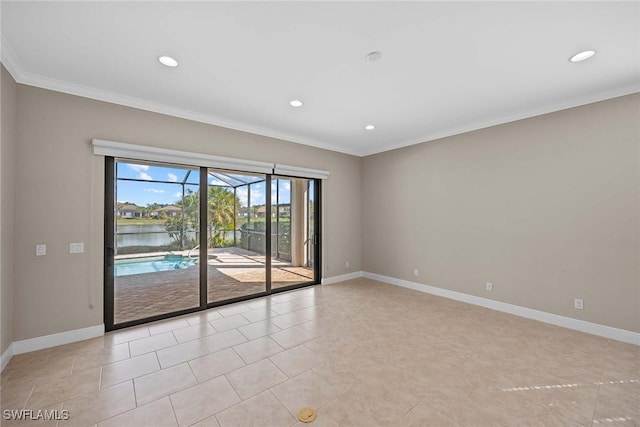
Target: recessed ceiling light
(296, 103)
(373, 56)
(369, 127)
(168, 61)
(581, 56)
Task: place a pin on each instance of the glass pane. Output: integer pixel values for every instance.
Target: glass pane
(193, 178)
(246, 179)
(156, 234)
(289, 232)
(311, 227)
(236, 245)
(150, 172)
(216, 181)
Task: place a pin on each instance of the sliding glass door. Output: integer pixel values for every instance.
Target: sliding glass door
(292, 232)
(155, 231)
(236, 246)
(180, 239)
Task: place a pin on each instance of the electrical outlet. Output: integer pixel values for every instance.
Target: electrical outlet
(578, 303)
(346, 264)
(416, 272)
(489, 286)
(41, 250)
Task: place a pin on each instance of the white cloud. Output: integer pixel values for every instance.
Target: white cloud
(154, 190)
(178, 194)
(141, 169)
(172, 177)
(257, 196)
(242, 192)
(138, 168)
(286, 185)
(216, 181)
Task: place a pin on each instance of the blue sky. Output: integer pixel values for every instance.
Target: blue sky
(145, 192)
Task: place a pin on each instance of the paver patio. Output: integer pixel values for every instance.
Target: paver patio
(233, 272)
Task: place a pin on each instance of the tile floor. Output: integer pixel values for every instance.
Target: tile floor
(363, 353)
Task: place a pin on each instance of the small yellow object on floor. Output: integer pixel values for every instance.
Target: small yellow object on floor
(307, 415)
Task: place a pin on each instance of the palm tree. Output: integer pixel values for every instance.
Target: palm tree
(221, 210)
(188, 220)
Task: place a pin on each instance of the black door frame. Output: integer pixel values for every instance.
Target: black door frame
(110, 244)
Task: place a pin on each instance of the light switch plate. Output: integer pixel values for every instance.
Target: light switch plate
(41, 250)
(76, 248)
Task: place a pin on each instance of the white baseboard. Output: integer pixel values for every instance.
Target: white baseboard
(33, 344)
(6, 357)
(341, 278)
(554, 319)
(38, 343)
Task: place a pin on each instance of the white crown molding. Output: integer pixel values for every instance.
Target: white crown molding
(22, 77)
(14, 67)
(541, 316)
(501, 120)
(10, 61)
(6, 357)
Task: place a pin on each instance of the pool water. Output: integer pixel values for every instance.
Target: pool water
(127, 267)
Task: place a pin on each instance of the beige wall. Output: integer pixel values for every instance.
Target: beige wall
(60, 190)
(547, 209)
(7, 144)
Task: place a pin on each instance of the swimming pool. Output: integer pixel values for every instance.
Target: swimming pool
(127, 267)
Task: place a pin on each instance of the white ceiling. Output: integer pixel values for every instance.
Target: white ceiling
(447, 67)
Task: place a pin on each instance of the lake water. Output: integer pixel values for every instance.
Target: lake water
(150, 235)
(145, 235)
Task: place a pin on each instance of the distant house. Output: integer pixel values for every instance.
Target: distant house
(129, 211)
(170, 211)
(284, 210)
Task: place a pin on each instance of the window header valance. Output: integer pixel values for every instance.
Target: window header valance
(302, 172)
(143, 152)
